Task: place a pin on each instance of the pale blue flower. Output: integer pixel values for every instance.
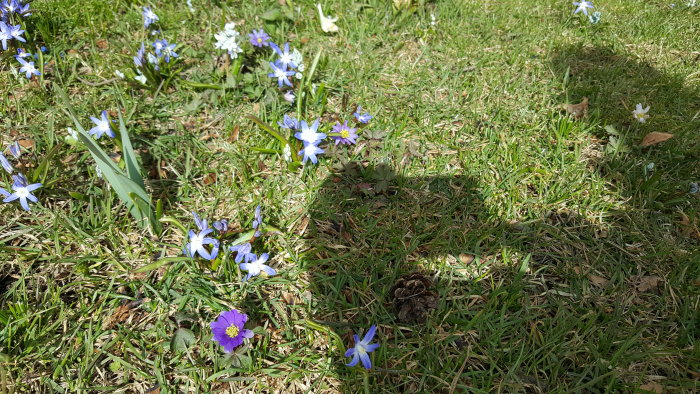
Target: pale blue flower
(310, 134)
(241, 251)
(309, 153)
(255, 265)
(362, 348)
(102, 126)
(22, 191)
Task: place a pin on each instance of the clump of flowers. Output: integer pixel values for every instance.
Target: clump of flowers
(228, 330)
(640, 113)
(152, 65)
(228, 40)
(253, 264)
(199, 240)
(362, 348)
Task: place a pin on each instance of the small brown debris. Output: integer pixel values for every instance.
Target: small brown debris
(647, 283)
(579, 110)
(122, 313)
(466, 258)
(653, 387)
(102, 44)
(654, 138)
(414, 297)
(209, 179)
(598, 280)
(290, 299)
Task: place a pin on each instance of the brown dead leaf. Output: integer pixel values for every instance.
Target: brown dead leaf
(655, 138)
(234, 133)
(598, 280)
(122, 313)
(102, 44)
(579, 110)
(209, 179)
(291, 299)
(647, 283)
(688, 228)
(466, 258)
(27, 143)
(653, 387)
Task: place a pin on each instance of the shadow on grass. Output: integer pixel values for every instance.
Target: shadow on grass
(551, 303)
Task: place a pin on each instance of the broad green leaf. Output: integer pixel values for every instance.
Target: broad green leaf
(182, 339)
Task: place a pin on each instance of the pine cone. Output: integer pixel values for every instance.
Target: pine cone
(414, 297)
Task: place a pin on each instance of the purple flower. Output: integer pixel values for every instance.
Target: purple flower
(6, 164)
(197, 242)
(259, 38)
(309, 153)
(361, 350)
(241, 250)
(280, 72)
(309, 134)
(582, 6)
(257, 221)
(228, 330)
(289, 123)
(289, 96)
(28, 68)
(149, 16)
(138, 59)
(16, 32)
(285, 57)
(102, 126)
(362, 118)
(255, 265)
(22, 191)
(164, 49)
(346, 135)
(15, 150)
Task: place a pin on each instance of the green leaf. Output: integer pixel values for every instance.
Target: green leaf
(272, 15)
(182, 339)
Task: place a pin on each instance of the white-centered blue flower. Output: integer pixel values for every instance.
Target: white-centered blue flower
(149, 16)
(255, 265)
(4, 35)
(310, 134)
(28, 68)
(22, 191)
(309, 152)
(640, 113)
(286, 57)
(197, 242)
(241, 251)
(102, 126)
(582, 6)
(280, 72)
(362, 349)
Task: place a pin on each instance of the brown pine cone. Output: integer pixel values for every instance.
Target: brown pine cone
(414, 297)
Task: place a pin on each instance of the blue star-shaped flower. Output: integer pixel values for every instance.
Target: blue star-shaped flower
(102, 126)
(280, 72)
(361, 350)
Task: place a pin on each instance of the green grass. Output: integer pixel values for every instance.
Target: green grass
(475, 157)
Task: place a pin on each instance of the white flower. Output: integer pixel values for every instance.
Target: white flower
(298, 59)
(289, 96)
(189, 5)
(119, 74)
(641, 114)
(72, 133)
(433, 21)
(327, 22)
(98, 171)
(227, 40)
(287, 153)
(141, 78)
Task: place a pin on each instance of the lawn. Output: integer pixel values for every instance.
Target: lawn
(501, 236)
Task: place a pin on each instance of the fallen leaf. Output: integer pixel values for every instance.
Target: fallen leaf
(688, 228)
(122, 313)
(26, 143)
(653, 387)
(579, 110)
(290, 299)
(102, 44)
(598, 280)
(209, 179)
(466, 258)
(234, 133)
(647, 283)
(655, 138)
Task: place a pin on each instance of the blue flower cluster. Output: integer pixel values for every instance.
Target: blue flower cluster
(247, 260)
(162, 51)
(12, 10)
(21, 188)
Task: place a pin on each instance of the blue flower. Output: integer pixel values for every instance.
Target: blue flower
(255, 265)
(221, 225)
(138, 59)
(21, 54)
(197, 242)
(22, 191)
(4, 34)
(259, 38)
(241, 250)
(15, 150)
(164, 49)
(28, 68)
(16, 32)
(582, 6)
(6, 164)
(257, 221)
(362, 349)
(309, 134)
(149, 16)
(201, 224)
(285, 57)
(309, 153)
(289, 96)
(362, 118)
(289, 123)
(694, 188)
(280, 72)
(102, 126)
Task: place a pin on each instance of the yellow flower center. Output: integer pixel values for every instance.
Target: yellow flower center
(232, 331)
(345, 133)
(259, 40)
